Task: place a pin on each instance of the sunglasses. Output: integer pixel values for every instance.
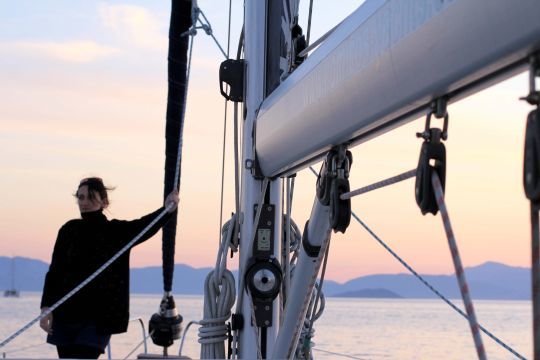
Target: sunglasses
(91, 180)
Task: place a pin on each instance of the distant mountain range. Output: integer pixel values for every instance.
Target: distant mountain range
(490, 280)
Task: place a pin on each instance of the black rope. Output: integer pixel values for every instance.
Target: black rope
(176, 100)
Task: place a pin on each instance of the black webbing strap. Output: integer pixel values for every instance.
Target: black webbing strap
(531, 184)
(177, 70)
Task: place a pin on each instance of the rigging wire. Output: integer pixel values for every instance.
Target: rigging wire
(208, 29)
(224, 131)
(138, 345)
(309, 22)
(290, 191)
(236, 156)
(339, 354)
(236, 164)
(319, 293)
(223, 168)
(428, 285)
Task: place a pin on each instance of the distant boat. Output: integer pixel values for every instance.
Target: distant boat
(12, 292)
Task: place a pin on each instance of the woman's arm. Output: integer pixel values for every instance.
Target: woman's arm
(132, 228)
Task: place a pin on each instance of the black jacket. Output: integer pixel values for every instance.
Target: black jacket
(82, 246)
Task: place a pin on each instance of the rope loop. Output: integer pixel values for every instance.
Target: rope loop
(219, 298)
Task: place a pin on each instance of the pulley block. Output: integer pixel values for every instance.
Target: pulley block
(324, 180)
(166, 325)
(340, 210)
(432, 158)
(332, 182)
(299, 44)
(531, 164)
(231, 72)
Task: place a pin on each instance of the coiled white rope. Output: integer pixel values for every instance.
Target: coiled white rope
(219, 297)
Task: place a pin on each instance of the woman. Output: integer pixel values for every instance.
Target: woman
(83, 325)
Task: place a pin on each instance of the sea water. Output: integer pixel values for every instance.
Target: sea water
(359, 328)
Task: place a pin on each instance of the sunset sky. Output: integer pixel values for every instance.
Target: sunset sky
(83, 93)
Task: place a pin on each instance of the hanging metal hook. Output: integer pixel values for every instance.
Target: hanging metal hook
(534, 71)
(438, 109)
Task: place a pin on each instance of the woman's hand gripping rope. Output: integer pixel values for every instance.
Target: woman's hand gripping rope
(46, 322)
(171, 201)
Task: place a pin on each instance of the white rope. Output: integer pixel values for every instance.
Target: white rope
(224, 131)
(132, 242)
(178, 169)
(428, 285)
(219, 297)
(390, 181)
(288, 220)
(308, 332)
(85, 282)
(458, 266)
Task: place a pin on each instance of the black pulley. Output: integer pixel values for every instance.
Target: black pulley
(166, 326)
(324, 180)
(432, 158)
(531, 163)
(299, 44)
(340, 210)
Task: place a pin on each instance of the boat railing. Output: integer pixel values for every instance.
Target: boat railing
(144, 337)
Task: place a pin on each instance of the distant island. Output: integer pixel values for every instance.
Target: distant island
(491, 280)
(370, 294)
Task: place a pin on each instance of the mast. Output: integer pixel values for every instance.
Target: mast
(257, 261)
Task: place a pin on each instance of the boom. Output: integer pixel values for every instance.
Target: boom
(383, 65)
